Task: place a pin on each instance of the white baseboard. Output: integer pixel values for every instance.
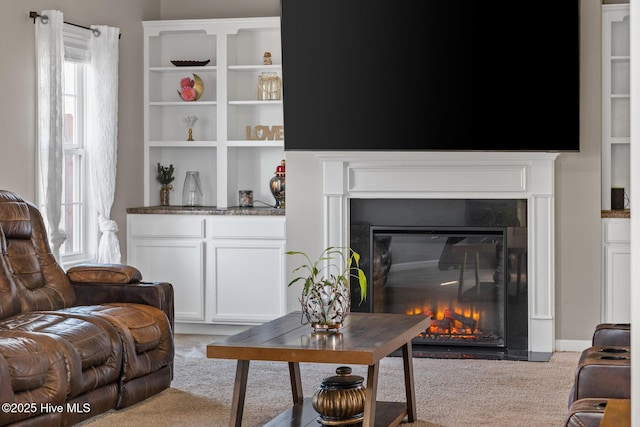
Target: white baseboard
(201, 329)
(572, 345)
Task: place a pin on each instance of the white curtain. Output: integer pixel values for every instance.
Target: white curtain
(50, 61)
(102, 138)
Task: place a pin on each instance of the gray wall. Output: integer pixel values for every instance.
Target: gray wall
(578, 274)
(18, 100)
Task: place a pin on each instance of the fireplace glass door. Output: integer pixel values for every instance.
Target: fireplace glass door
(454, 276)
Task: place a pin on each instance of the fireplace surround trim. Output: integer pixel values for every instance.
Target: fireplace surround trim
(472, 175)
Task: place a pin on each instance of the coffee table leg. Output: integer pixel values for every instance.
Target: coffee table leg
(296, 382)
(409, 386)
(239, 393)
(370, 396)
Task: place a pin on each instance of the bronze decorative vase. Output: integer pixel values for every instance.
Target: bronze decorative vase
(340, 399)
(164, 194)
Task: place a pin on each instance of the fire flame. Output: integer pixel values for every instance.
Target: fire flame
(450, 321)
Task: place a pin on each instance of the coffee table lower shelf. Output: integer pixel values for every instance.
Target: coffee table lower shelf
(388, 414)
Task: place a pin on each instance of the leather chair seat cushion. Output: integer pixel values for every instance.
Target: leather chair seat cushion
(142, 326)
(146, 334)
(37, 371)
(586, 412)
(28, 362)
(89, 339)
(91, 346)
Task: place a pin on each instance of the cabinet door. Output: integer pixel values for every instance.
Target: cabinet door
(616, 271)
(618, 281)
(249, 280)
(179, 262)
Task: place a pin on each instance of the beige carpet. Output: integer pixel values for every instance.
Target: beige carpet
(449, 392)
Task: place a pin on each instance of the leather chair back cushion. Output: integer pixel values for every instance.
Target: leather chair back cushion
(614, 334)
(39, 282)
(9, 300)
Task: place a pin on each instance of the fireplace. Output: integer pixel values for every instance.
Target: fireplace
(449, 192)
(460, 262)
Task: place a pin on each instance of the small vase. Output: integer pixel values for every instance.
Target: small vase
(164, 194)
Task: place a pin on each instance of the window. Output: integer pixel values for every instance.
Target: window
(74, 204)
(76, 209)
(78, 132)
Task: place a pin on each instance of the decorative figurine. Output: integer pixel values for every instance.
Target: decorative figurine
(190, 121)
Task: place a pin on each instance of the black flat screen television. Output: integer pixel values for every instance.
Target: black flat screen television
(430, 75)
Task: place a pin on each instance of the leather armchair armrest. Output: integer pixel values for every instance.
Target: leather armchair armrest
(111, 283)
(104, 273)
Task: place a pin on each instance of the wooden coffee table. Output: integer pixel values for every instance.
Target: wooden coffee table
(364, 339)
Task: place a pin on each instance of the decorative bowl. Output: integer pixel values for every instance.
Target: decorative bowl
(183, 63)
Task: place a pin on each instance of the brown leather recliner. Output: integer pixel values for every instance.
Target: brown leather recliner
(78, 343)
(603, 373)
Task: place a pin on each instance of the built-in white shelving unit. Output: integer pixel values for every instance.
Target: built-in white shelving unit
(226, 263)
(227, 160)
(616, 231)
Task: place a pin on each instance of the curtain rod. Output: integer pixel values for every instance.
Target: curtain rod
(44, 19)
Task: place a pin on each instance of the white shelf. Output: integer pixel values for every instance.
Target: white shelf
(174, 69)
(259, 67)
(183, 144)
(256, 102)
(228, 161)
(181, 103)
(263, 144)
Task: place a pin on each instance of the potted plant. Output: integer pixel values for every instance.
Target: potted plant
(165, 177)
(326, 296)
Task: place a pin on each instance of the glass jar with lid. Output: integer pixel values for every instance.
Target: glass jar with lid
(269, 86)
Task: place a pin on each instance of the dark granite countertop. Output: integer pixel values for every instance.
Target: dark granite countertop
(205, 210)
(616, 213)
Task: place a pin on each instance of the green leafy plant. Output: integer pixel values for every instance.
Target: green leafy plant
(165, 174)
(332, 269)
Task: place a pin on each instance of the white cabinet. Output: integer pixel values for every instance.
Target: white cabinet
(246, 257)
(171, 248)
(225, 269)
(237, 138)
(615, 100)
(616, 295)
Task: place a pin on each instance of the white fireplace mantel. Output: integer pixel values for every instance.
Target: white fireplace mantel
(459, 175)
